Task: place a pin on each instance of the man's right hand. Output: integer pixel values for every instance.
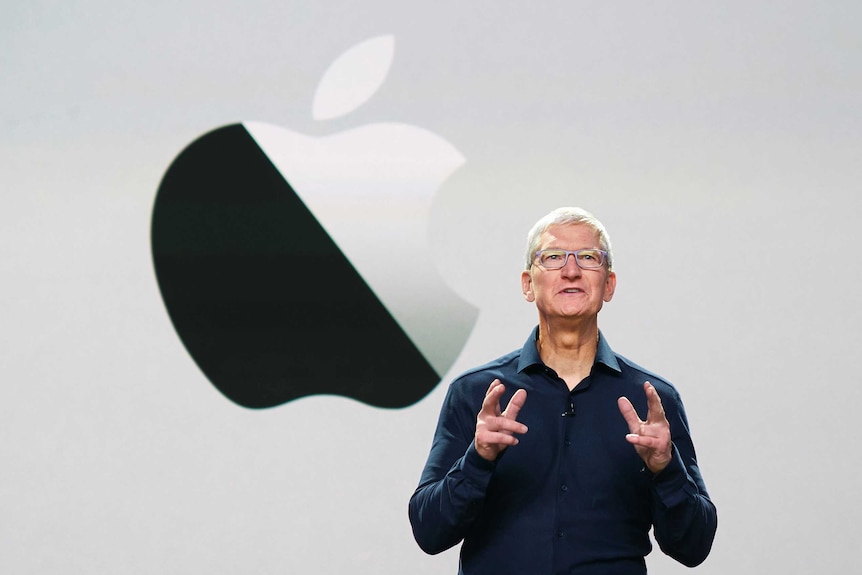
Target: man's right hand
(495, 429)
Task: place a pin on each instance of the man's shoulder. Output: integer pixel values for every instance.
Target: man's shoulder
(639, 374)
(502, 368)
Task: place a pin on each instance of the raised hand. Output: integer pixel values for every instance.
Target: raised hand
(495, 429)
(651, 438)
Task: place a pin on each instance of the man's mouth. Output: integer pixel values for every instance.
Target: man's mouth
(573, 290)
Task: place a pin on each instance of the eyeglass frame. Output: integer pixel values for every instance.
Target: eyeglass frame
(570, 253)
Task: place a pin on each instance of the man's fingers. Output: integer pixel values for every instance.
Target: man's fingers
(644, 441)
(497, 438)
(508, 420)
(491, 387)
(655, 410)
(507, 425)
(495, 430)
(629, 414)
(515, 404)
(650, 438)
(491, 403)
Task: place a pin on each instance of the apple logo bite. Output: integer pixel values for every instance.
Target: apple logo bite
(292, 265)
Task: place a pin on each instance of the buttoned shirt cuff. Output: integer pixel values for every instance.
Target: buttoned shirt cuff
(673, 484)
(475, 465)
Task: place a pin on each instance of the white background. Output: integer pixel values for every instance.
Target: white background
(719, 143)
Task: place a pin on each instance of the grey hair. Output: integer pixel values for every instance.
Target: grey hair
(563, 217)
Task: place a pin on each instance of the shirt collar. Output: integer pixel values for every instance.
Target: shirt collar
(605, 355)
(530, 353)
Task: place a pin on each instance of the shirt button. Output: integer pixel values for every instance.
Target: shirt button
(560, 534)
(567, 443)
(564, 487)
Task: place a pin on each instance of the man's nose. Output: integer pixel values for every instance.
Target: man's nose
(571, 267)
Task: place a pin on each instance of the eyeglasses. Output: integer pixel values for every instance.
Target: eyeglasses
(589, 259)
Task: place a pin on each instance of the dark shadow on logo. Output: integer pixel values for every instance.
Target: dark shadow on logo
(264, 301)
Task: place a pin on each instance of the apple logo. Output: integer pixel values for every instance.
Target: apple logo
(293, 265)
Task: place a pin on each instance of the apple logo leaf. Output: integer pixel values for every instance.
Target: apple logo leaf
(353, 78)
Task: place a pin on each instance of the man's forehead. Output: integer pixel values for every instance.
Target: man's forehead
(569, 232)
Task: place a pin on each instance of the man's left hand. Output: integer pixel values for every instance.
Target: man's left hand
(651, 438)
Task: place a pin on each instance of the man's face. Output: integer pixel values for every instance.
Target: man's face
(569, 292)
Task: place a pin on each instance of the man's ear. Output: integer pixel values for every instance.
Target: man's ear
(610, 286)
(527, 286)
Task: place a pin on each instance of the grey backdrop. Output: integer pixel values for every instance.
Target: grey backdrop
(719, 143)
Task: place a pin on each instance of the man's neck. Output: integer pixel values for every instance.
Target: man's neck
(569, 349)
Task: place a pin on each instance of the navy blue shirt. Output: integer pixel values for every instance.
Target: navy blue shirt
(573, 496)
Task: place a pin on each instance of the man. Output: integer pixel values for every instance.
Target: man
(567, 478)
